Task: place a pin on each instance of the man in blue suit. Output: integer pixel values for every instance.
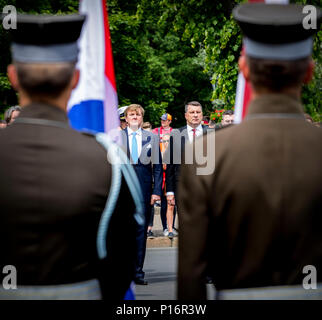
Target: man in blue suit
(144, 151)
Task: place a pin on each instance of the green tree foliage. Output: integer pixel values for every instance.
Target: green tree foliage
(208, 28)
(8, 96)
(154, 65)
(169, 52)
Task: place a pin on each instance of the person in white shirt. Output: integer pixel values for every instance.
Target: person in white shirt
(194, 116)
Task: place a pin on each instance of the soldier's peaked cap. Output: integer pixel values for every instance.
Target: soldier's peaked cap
(276, 31)
(46, 38)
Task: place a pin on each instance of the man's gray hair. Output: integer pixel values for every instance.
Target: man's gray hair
(8, 113)
(192, 103)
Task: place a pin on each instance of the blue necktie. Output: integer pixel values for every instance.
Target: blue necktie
(134, 153)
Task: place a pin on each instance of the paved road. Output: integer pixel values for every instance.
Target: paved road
(160, 271)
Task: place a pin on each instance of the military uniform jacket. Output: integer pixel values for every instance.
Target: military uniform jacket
(256, 220)
(54, 183)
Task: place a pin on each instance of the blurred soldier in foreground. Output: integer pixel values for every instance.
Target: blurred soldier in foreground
(255, 222)
(55, 181)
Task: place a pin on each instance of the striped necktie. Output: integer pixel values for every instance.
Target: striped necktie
(193, 135)
(134, 152)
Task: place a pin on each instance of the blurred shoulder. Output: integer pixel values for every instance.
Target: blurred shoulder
(86, 145)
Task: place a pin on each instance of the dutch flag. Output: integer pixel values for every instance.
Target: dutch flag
(93, 103)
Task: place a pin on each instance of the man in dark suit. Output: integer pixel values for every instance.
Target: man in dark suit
(143, 149)
(255, 221)
(55, 181)
(175, 155)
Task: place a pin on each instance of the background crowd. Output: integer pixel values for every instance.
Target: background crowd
(168, 212)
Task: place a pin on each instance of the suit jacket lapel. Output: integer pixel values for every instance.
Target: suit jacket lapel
(186, 135)
(146, 138)
(146, 143)
(127, 143)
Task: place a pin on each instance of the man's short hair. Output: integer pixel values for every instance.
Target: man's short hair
(134, 107)
(44, 80)
(277, 75)
(146, 125)
(228, 112)
(212, 122)
(192, 103)
(8, 113)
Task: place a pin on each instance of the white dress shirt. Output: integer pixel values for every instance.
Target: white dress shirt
(138, 139)
(190, 132)
(199, 132)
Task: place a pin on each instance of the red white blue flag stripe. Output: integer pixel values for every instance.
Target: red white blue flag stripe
(93, 103)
